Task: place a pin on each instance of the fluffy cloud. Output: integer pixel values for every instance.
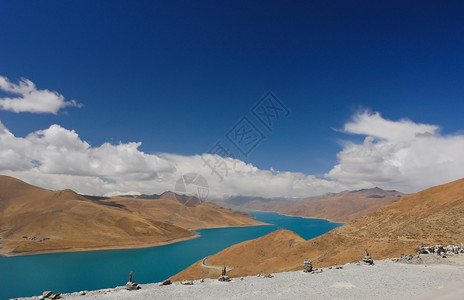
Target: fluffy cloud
(372, 124)
(57, 150)
(399, 155)
(30, 99)
(58, 158)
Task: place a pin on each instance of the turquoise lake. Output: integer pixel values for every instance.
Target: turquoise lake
(90, 270)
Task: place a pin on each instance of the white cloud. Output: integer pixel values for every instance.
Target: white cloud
(399, 155)
(30, 99)
(57, 150)
(118, 193)
(373, 124)
(58, 158)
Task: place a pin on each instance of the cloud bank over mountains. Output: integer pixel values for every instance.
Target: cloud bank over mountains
(400, 155)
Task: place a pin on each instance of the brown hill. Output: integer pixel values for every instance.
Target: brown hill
(265, 254)
(339, 207)
(183, 199)
(34, 220)
(188, 215)
(433, 216)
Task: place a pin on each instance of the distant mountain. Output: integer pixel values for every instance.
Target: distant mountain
(434, 216)
(201, 215)
(34, 220)
(183, 199)
(339, 207)
(244, 201)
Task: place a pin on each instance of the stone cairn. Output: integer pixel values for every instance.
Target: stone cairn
(307, 266)
(367, 259)
(440, 250)
(132, 285)
(224, 276)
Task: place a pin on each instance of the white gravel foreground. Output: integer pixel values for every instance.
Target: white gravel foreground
(384, 280)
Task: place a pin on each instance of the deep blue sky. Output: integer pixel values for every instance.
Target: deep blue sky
(177, 75)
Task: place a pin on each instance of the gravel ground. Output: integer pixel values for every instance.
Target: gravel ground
(384, 280)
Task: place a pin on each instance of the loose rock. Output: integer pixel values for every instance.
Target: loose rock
(265, 275)
(55, 296)
(166, 282)
(47, 294)
(441, 250)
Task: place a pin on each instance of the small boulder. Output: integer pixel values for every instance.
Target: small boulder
(166, 282)
(55, 296)
(47, 294)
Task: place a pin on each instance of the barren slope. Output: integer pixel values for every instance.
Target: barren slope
(340, 207)
(37, 220)
(34, 220)
(433, 216)
(201, 215)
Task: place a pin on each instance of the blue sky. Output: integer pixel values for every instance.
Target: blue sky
(178, 75)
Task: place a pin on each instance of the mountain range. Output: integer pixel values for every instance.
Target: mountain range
(336, 207)
(37, 220)
(433, 216)
(183, 199)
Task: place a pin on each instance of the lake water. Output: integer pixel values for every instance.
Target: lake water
(90, 270)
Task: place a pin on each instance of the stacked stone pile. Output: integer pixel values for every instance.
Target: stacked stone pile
(307, 266)
(224, 276)
(367, 259)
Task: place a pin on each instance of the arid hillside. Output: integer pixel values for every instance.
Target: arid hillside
(433, 216)
(336, 207)
(35, 220)
(191, 216)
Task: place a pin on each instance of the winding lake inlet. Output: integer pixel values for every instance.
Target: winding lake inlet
(89, 270)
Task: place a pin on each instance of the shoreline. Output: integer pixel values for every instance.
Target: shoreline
(235, 226)
(287, 215)
(149, 245)
(386, 279)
